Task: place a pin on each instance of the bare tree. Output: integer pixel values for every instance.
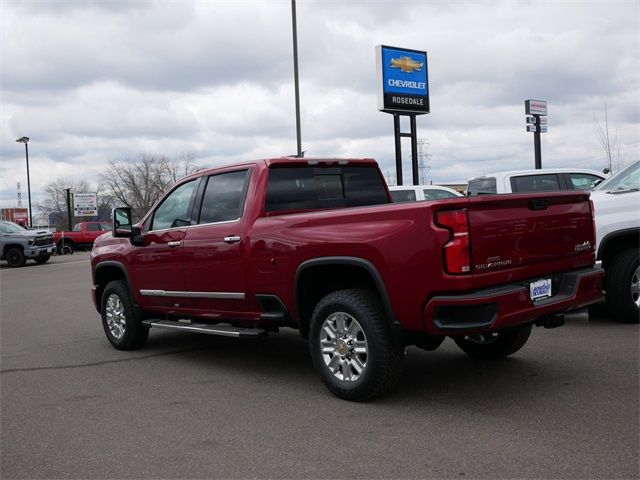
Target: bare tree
(141, 182)
(55, 202)
(611, 146)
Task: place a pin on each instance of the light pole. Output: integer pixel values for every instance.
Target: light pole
(25, 140)
(296, 82)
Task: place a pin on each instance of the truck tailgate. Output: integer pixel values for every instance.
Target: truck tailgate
(525, 235)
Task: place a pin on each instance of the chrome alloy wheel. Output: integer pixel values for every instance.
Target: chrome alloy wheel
(635, 287)
(115, 316)
(344, 346)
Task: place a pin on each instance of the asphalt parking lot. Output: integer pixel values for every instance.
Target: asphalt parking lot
(192, 406)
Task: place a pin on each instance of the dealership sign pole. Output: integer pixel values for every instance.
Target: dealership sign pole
(403, 90)
(536, 123)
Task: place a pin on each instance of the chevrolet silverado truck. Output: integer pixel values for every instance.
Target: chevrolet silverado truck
(17, 244)
(319, 246)
(82, 236)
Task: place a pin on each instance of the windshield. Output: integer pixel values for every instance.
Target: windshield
(9, 227)
(626, 179)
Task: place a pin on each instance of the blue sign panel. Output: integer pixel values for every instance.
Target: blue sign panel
(404, 80)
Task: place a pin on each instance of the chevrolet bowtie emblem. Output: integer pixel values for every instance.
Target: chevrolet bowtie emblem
(405, 64)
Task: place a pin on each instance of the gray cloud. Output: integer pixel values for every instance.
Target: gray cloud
(99, 80)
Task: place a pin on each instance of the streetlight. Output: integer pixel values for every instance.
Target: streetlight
(25, 140)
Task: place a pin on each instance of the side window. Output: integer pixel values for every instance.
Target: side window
(93, 227)
(535, 183)
(105, 227)
(77, 227)
(582, 181)
(174, 210)
(403, 195)
(433, 194)
(224, 196)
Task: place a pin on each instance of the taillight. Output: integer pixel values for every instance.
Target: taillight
(457, 258)
(593, 223)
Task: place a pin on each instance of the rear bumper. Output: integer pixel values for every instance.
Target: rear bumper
(510, 305)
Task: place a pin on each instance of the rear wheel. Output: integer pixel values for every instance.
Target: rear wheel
(42, 258)
(622, 284)
(351, 345)
(496, 344)
(120, 322)
(15, 257)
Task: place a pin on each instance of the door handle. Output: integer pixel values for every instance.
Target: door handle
(177, 243)
(232, 239)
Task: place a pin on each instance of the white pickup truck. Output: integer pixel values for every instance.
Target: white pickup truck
(617, 215)
(543, 180)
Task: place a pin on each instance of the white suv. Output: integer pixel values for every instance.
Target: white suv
(542, 180)
(617, 208)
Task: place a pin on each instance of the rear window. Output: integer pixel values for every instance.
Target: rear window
(535, 183)
(403, 195)
(482, 186)
(309, 188)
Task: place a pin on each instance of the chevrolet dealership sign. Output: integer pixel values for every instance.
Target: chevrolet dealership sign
(402, 80)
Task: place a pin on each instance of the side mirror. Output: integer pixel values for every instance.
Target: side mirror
(122, 223)
(123, 226)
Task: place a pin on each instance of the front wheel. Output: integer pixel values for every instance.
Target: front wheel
(622, 284)
(120, 322)
(42, 259)
(496, 344)
(15, 258)
(351, 345)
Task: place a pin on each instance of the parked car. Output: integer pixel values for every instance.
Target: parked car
(413, 193)
(543, 180)
(617, 208)
(17, 244)
(317, 245)
(82, 236)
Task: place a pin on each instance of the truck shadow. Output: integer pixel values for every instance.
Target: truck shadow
(446, 376)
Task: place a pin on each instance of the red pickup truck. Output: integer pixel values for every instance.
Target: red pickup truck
(82, 236)
(317, 245)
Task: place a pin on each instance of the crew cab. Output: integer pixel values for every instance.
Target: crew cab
(317, 245)
(82, 236)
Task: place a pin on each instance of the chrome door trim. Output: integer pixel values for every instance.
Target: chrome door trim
(181, 294)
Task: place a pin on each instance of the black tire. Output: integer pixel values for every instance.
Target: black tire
(15, 257)
(125, 331)
(381, 365)
(42, 258)
(497, 345)
(66, 248)
(622, 272)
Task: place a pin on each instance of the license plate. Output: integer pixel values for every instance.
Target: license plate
(540, 289)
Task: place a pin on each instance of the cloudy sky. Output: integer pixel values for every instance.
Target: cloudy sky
(94, 81)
